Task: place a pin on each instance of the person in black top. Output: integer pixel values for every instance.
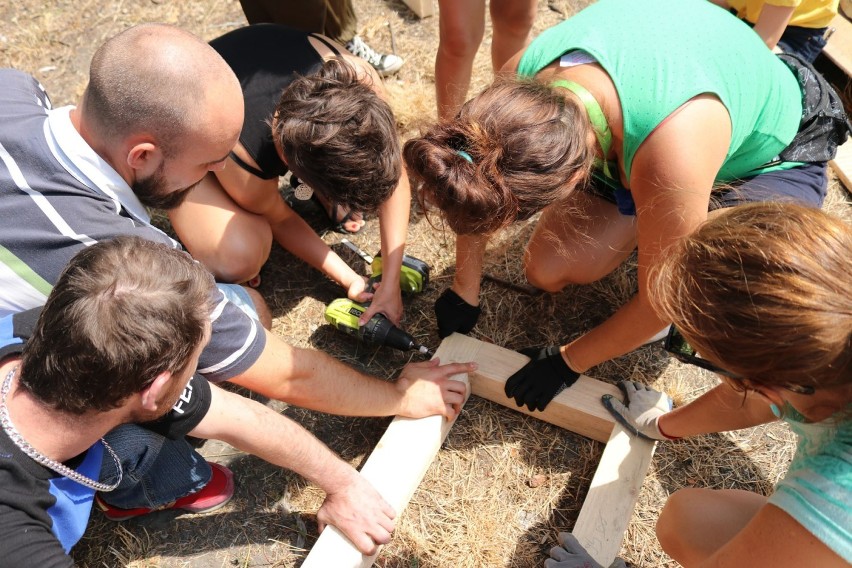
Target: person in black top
(335, 19)
(117, 344)
(315, 110)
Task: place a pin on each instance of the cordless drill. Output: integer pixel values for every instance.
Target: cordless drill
(344, 313)
(413, 275)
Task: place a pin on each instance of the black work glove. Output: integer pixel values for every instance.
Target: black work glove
(546, 375)
(454, 314)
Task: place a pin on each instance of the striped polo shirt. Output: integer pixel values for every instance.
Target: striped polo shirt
(57, 195)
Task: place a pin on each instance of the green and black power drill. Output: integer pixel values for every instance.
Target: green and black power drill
(344, 313)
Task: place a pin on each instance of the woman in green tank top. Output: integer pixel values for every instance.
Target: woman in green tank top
(655, 109)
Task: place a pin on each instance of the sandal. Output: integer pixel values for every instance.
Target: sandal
(331, 209)
(340, 226)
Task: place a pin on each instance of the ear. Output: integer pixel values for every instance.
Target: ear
(144, 157)
(772, 394)
(154, 391)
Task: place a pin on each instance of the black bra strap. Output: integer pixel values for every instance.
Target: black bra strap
(250, 169)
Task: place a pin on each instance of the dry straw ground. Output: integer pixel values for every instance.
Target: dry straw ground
(503, 484)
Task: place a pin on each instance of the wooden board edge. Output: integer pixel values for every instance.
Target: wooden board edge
(577, 408)
(608, 506)
(396, 466)
(842, 164)
(423, 8)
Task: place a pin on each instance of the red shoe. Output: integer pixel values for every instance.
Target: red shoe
(212, 496)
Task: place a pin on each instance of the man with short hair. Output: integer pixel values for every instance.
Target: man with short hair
(116, 344)
(161, 110)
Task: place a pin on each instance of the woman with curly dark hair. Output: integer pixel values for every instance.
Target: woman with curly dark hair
(320, 113)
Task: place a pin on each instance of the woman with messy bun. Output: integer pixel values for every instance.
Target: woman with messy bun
(621, 143)
(315, 110)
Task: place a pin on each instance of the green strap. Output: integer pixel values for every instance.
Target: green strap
(27, 274)
(597, 118)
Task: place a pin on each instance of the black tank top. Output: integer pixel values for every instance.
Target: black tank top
(266, 58)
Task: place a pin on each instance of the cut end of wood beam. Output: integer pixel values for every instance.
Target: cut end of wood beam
(609, 504)
(423, 8)
(842, 164)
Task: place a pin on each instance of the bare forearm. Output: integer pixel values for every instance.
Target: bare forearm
(295, 235)
(393, 228)
(623, 332)
(255, 429)
(721, 409)
(772, 22)
(312, 379)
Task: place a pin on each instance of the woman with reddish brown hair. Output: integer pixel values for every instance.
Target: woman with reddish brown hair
(621, 143)
(759, 295)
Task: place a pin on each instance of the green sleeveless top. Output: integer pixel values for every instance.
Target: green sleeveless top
(661, 53)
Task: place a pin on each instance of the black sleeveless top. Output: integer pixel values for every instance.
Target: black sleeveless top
(266, 58)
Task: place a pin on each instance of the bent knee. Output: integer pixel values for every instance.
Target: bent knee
(675, 517)
(550, 279)
(235, 262)
(460, 45)
(515, 22)
(543, 280)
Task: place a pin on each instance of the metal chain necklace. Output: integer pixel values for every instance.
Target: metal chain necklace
(33, 453)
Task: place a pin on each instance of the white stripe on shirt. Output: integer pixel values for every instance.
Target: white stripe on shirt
(41, 201)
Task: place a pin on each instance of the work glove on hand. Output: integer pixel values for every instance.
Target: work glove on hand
(643, 410)
(454, 314)
(546, 375)
(571, 554)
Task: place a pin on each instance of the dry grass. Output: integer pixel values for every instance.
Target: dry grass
(503, 484)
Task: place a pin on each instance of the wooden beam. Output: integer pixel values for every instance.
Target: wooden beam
(842, 164)
(423, 8)
(609, 504)
(838, 48)
(577, 408)
(396, 467)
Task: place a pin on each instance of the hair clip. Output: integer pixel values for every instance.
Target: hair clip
(464, 155)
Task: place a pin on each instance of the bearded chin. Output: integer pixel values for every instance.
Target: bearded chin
(152, 192)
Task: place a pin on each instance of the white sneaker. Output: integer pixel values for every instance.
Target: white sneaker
(385, 63)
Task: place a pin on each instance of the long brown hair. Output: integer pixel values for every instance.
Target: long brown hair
(528, 148)
(763, 290)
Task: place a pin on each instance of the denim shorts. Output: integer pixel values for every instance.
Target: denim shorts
(240, 297)
(807, 43)
(806, 185)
